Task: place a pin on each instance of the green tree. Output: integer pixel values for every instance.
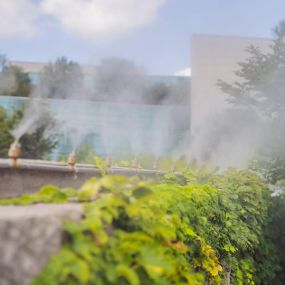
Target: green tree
(260, 89)
(119, 80)
(6, 124)
(158, 93)
(261, 82)
(3, 61)
(34, 145)
(168, 92)
(15, 82)
(61, 79)
(21, 82)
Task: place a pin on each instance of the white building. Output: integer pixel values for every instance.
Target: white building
(214, 58)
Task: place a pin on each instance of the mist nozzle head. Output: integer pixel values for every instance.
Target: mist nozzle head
(109, 162)
(71, 160)
(14, 152)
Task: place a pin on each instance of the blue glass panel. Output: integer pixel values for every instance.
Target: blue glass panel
(112, 128)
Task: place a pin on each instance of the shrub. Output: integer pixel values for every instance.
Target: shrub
(182, 229)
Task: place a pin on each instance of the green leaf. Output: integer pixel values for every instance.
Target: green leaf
(49, 190)
(129, 274)
(142, 192)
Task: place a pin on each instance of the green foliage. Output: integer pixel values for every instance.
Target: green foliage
(86, 154)
(259, 91)
(116, 77)
(3, 61)
(261, 84)
(14, 81)
(277, 225)
(6, 125)
(22, 86)
(34, 145)
(190, 228)
(47, 194)
(272, 170)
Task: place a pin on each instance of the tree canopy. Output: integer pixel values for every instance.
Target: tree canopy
(260, 89)
(62, 79)
(261, 84)
(119, 80)
(13, 80)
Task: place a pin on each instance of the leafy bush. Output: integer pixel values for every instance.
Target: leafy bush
(183, 229)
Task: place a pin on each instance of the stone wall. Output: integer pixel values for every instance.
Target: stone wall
(29, 236)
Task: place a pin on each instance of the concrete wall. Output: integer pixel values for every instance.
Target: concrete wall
(29, 176)
(29, 236)
(213, 58)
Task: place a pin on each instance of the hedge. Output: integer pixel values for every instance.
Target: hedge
(195, 228)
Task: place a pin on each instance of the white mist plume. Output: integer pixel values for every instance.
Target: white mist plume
(144, 128)
(70, 122)
(33, 118)
(126, 121)
(230, 138)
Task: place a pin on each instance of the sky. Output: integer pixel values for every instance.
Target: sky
(156, 34)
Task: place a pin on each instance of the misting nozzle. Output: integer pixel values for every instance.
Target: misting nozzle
(109, 162)
(71, 161)
(14, 153)
(155, 164)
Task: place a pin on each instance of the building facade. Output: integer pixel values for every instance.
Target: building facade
(214, 58)
(116, 127)
(132, 126)
(112, 129)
